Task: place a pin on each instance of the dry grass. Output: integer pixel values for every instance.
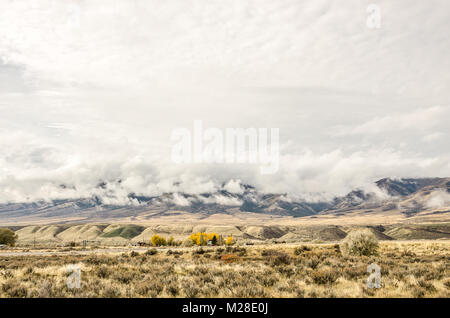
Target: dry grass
(413, 269)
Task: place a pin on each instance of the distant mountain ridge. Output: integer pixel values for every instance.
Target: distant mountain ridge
(409, 196)
(407, 186)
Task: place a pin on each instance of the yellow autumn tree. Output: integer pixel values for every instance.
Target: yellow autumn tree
(158, 240)
(196, 238)
(229, 240)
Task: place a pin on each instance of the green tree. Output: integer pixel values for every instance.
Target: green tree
(214, 240)
(8, 237)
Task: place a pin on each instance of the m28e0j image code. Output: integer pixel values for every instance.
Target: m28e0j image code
(232, 307)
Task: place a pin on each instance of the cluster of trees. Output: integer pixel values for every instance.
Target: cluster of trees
(200, 239)
(8, 237)
(157, 240)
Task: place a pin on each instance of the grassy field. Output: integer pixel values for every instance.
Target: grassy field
(408, 269)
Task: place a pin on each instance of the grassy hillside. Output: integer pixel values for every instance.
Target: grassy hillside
(123, 234)
(126, 232)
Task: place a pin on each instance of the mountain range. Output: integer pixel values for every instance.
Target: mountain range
(407, 197)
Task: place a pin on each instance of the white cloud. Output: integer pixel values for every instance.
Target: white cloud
(234, 186)
(432, 137)
(420, 120)
(143, 44)
(438, 199)
(220, 199)
(179, 200)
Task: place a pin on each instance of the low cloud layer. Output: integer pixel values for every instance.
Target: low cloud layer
(438, 199)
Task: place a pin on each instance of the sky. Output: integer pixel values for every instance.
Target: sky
(91, 91)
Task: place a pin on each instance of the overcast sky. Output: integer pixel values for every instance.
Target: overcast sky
(92, 90)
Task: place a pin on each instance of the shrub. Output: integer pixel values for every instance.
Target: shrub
(241, 251)
(199, 251)
(18, 292)
(229, 240)
(45, 291)
(301, 249)
(426, 285)
(8, 237)
(172, 289)
(190, 290)
(268, 281)
(149, 288)
(170, 252)
(360, 242)
(266, 252)
(152, 251)
(337, 248)
(229, 258)
(354, 272)
(219, 250)
(93, 260)
(13, 288)
(172, 242)
(124, 277)
(158, 240)
(322, 277)
(280, 258)
(313, 263)
(111, 292)
(188, 243)
(103, 272)
(276, 258)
